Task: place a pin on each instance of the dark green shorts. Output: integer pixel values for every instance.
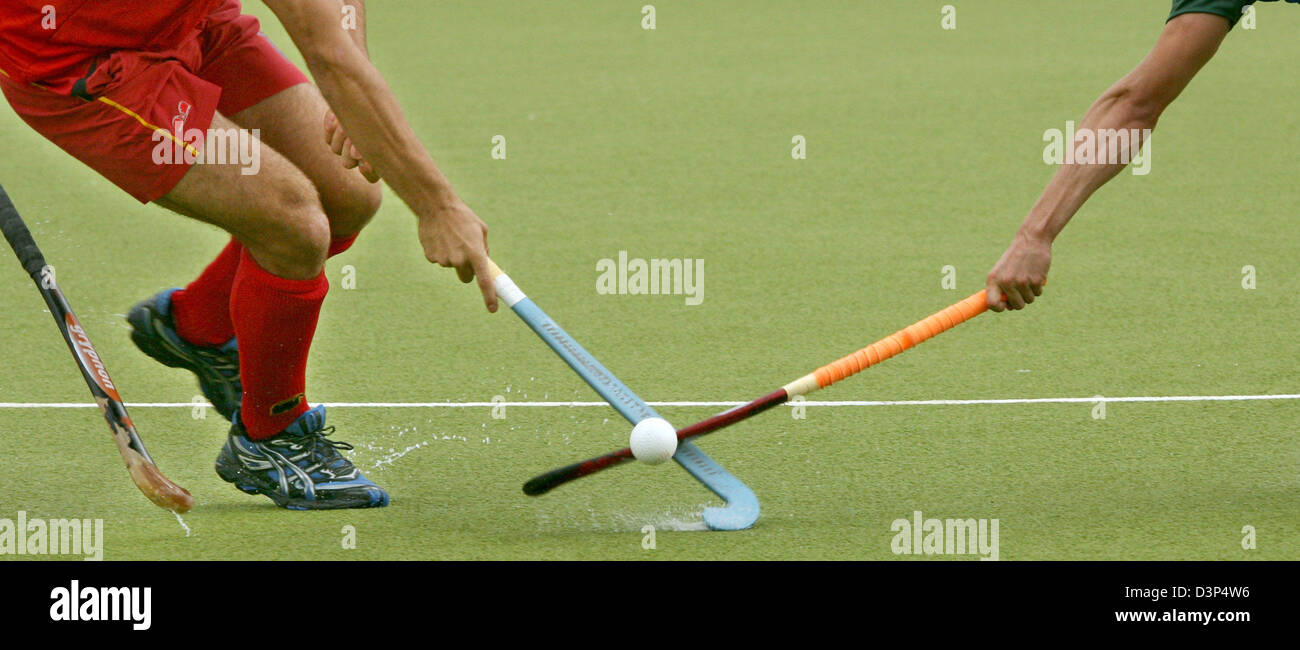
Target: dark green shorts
(1230, 9)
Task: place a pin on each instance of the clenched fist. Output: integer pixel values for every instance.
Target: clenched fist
(1020, 274)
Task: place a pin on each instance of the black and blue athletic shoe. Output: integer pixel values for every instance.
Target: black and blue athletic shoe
(299, 468)
(154, 331)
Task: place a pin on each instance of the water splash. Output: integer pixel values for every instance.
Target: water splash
(185, 526)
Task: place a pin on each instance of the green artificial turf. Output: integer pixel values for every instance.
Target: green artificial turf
(924, 149)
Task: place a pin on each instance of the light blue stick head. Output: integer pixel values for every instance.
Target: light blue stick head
(736, 516)
(742, 507)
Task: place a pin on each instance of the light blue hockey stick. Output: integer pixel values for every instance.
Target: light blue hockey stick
(742, 507)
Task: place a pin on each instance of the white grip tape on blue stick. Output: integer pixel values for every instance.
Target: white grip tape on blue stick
(507, 290)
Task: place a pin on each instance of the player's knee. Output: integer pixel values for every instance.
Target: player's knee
(307, 244)
(353, 209)
(296, 240)
(310, 243)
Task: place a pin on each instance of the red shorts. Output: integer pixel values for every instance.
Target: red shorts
(114, 118)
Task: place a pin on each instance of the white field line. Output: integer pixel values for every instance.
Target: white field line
(839, 403)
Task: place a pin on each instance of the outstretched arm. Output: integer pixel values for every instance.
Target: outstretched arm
(1134, 102)
(451, 234)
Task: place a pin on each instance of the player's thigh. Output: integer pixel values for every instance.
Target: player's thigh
(292, 122)
(275, 211)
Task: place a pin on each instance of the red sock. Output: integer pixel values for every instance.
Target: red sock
(340, 244)
(275, 319)
(202, 309)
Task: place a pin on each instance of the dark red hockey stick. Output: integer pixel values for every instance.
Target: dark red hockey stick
(820, 378)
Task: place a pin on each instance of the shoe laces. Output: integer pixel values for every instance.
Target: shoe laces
(320, 447)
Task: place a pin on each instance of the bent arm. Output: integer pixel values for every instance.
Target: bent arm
(364, 103)
(358, 31)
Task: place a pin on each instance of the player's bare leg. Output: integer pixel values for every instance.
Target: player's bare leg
(290, 122)
(277, 445)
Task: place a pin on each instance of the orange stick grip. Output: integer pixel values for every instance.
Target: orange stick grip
(901, 340)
